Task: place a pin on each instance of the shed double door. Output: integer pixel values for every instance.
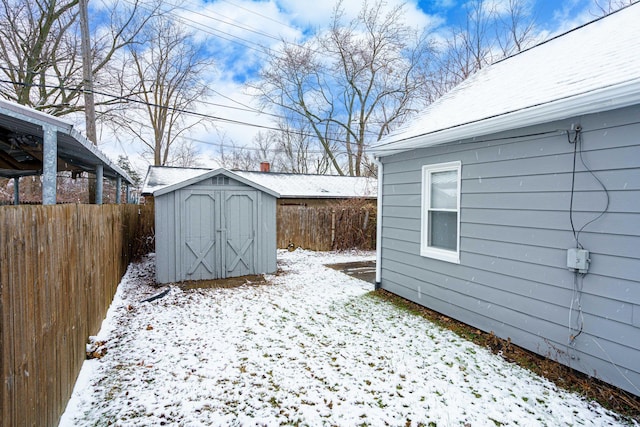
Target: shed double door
(218, 234)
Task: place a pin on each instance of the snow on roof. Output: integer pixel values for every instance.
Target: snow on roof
(210, 174)
(287, 185)
(162, 176)
(593, 68)
(72, 147)
(314, 186)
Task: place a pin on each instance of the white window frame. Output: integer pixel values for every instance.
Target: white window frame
(425, 249)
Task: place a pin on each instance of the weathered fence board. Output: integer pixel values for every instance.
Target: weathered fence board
(324, 228)
(59, 269)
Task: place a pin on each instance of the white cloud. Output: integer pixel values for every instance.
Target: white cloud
(572, 14)
(502, 7)
(236, 30)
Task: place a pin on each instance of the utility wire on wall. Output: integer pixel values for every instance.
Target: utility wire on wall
(577, 327)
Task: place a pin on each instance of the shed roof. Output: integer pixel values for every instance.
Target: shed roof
(159, 177)
(21, 137)
(590, 69)
(209, 174)
(285, 184)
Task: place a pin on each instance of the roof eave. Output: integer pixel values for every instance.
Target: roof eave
(39, 118)
(100, 155)
(36, 117)
(220, 171)
(608, 98)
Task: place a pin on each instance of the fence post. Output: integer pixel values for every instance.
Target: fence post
(333, 227)
(49, 164)
(16, 190)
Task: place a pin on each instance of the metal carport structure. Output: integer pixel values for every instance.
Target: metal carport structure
(36, 143)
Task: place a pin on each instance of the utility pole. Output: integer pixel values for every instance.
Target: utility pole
(87, 72)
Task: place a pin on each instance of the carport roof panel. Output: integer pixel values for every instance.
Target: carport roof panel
(73, 148)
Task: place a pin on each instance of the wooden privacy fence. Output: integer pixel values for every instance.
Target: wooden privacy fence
(59, 269)
(323, 228)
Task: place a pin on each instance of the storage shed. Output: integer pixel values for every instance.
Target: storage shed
(512, 203)
(212, 226)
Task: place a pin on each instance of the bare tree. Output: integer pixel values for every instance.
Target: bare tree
(350, 85)
(468, 48)
(291, 150)
(40, 50)
(267, 150)
(605, 7)
(515, 27)
(489, 31)
(295, 147)
(234, 156)
(163, 80)
(184, 154)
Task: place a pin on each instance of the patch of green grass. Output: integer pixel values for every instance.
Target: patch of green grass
(564, 377)
(380, 403)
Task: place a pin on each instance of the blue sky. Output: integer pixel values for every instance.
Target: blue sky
(235, 30)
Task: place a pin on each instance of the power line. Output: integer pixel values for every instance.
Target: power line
(244, 107)
(180, 110)
(259, 14)
(229, 22)
(235, 147)
(248, 44)
(228, 36)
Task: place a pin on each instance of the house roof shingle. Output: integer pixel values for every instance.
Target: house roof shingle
(593, 68)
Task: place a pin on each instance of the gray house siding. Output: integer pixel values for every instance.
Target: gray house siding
(208, 231)
(514, 234)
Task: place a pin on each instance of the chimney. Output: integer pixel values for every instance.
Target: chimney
(265, 166)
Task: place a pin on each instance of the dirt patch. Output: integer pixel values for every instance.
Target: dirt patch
(363, 270)
(564, 377)
(231, 282)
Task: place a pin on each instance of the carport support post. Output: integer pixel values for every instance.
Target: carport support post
(49, 164)
(16, 190)
(118, 189)
(99, 183)
(126, 194)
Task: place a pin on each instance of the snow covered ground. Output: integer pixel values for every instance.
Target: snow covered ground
(309, 348)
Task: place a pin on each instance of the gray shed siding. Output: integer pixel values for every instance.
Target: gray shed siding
(200, 211)
(514, 233)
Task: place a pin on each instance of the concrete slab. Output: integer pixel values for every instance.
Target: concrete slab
(363, 270)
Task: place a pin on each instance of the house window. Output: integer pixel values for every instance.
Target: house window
(440, 237)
